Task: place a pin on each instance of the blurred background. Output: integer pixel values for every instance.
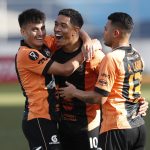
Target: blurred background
(95, 14)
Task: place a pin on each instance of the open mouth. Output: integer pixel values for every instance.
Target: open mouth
(58, 36)
(39, 39)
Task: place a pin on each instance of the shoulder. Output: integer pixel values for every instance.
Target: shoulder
(99, 54)
(25, 52)
(116, 54)
(50, 42)
(96, 60)
(49, 38)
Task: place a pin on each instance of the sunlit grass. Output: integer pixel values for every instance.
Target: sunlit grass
(11, 95)
(146, 91)
(13, 99)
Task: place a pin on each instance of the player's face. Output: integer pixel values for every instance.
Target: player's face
(108, 34)
(63, 30)
(34, 34)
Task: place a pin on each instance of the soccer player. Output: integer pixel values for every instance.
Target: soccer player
(34, 68)
(79, 124)
(118, 88)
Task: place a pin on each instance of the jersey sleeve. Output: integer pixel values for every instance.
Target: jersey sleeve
(106, 76)
(34, 61)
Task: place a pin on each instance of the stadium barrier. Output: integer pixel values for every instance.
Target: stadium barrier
(8, 72)
(7, 69)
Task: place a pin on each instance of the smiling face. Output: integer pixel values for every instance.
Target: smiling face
(64, 31)
(34, 34)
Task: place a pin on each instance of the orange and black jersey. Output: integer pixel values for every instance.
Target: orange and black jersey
(120, 79)
(83, 78)
(31, 67)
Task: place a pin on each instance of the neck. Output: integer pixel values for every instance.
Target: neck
(120, 44)
(33, 46)
(121, 41)
(72, 46)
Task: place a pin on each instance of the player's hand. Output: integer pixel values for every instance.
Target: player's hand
(67, 92)
(143, 106)
(89, 48)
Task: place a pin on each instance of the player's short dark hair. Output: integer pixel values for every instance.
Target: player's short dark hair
(122, 20)
(75, 17)
(31, 16)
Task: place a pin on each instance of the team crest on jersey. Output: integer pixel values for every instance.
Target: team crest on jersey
(47, 52)
(33, 55)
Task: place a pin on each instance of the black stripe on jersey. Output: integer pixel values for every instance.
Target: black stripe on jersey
(132, 73)
(47, 67)
(132, 117)
(26, 110)
(102, 92)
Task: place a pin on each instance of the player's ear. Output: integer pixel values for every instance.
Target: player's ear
(76, 30)
(116, 33)
(22, 31)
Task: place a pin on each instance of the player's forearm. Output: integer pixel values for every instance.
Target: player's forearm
(67, 68)
(74, 63)
(87, 96)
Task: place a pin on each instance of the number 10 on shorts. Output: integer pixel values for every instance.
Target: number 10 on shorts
(93, 142)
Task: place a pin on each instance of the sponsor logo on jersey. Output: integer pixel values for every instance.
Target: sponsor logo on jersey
(33, 55)
(103, 82)
(47, 52)
(105, 75)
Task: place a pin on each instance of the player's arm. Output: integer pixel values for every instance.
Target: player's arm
(87, 96)
(87, 42)
(70, 66)
(89, 45)
(94, 97)
(67, 68)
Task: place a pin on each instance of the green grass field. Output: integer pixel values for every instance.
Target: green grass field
(11, 109)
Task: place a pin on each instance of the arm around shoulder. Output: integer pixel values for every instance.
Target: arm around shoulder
(67, 68)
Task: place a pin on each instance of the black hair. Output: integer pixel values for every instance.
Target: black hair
(122, 20)
(75, 17)
(31, 16)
